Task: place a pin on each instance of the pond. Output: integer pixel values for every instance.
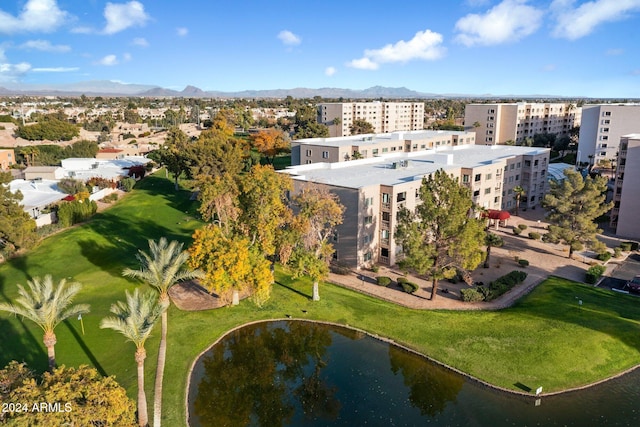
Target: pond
(296, 373)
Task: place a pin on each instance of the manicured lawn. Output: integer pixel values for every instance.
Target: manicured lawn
(547, 339)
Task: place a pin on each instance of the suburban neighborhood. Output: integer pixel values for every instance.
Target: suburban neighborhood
(312, 257)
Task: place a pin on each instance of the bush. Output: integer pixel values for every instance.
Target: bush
(633, 246)
(375, 268)
(594, 273)
(408, 287)
(617, 252)
(110, 198)
(127, 184)
(401, 280)
(522, 227)
(523, 263)
(604, 256)
(625, 246)
(517, 231)
(340, 269)
(535, 236)
(383, 280)
(70, 213)
(503, 284)
(471, 295)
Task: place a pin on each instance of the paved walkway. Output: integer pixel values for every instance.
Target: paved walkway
(545, 259)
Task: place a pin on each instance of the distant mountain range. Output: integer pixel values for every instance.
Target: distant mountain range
(111, 88)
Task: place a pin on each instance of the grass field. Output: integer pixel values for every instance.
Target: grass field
(546, 339)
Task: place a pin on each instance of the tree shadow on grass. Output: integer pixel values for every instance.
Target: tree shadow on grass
(85, 348)
(293, 290)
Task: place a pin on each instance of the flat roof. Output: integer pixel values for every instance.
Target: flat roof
(381, 171)
(37, 193)
(375, 138)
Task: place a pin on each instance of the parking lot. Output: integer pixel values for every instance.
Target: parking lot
(625, 271)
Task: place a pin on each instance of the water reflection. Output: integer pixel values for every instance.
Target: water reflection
(297, 373)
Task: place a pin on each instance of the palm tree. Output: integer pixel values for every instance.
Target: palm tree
(161, 269)
(518, 190)
(135, 319)
(491, 240)
(47, 305)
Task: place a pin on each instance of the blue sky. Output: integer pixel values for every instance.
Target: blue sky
(499, 47)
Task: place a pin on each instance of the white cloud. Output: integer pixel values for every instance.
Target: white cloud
(288, 38)
(82, 30)
(140, 41)
(425, 45)
(614, 52)
(55, 69)
(45, 46)
(182, 31)
(330, 71)
(13, 72)
(363, 64)
(574, 23)
(508, 21)
(36, 16)
(122, 16)
(108, 60)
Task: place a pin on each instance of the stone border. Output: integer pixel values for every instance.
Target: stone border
(404, 347)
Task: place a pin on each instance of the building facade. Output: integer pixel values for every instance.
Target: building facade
(499, 123)
(601, 129)
(626, 194)
(373, 190)
(385, 117)
(340, 149)
(7, 158)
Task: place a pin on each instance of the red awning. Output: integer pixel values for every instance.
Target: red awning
(496, 214)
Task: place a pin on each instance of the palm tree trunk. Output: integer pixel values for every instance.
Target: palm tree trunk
(143, 416)
(162, 357)
(50, 342)
(316, 291)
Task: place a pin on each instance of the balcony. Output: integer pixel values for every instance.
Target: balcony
(383, 260)
(385, 206)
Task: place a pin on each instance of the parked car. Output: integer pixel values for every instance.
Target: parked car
(633, 285)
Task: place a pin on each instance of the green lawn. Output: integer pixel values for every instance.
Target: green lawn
(547, 339)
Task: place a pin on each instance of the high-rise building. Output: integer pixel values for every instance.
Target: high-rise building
(626, 194)
(385, 117)
(499, 123)
(601, 128)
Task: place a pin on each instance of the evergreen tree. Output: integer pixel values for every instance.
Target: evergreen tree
(440, 236)
(573, 205)
(17, 228)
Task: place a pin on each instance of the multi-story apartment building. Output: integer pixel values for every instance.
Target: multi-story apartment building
(7, 158)
(385, 117)
(626, 195)
(340, 149)
(602, 127)
(373, 190)
(499, 123)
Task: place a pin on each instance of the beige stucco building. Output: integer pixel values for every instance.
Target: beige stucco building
(602, 127)
(499, 123)
(626, 194)
(7, 158)
(374, 189)
(385, 117)
(340, 149)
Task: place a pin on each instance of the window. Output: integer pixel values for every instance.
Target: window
(517, 177)
(325, 154)
(309, 162)
(535, 162)
(385, 234)
(367, 256)
(384, 252)
(393, 148)
(477, 178)
(513, 165)
(422, 147)
(527, 163)
(401, 197)
(385, 150)
(386, 216)
(487, 191)
(476, 193)
(488, 176)
(465, 178)
(366, 239)
(375, 151)
(309, 152)
(496, 199)
(604, 130)
(386, 198)
(519, 165)
(334, 255)
(607, 114)
(368, 202)
(335, 236)
(368, 219)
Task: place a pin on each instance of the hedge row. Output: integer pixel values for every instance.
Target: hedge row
(494, 289)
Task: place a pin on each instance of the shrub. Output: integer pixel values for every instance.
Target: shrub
(471, 295)
(71, 186)
(401, 280)
(503, 284)
(633, 246)
(517, 231)
(522, 227)
(110, 198)
(523, 263)
(383, 280)
(625, 246)
(535, 236)
(408, 287)
(604, 256)
(70, 213)
(127, 184)
(375, 268)
(594, 273)
(340, 269)
(617, 252)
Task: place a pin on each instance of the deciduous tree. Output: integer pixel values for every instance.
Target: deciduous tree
(441, 235)
(573, 205)
(361, 126)
(270, 142)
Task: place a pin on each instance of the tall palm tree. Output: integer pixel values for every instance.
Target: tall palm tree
(47, 304)
(518, 190)
(491, 240)
(161, 269)
(135, 319)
